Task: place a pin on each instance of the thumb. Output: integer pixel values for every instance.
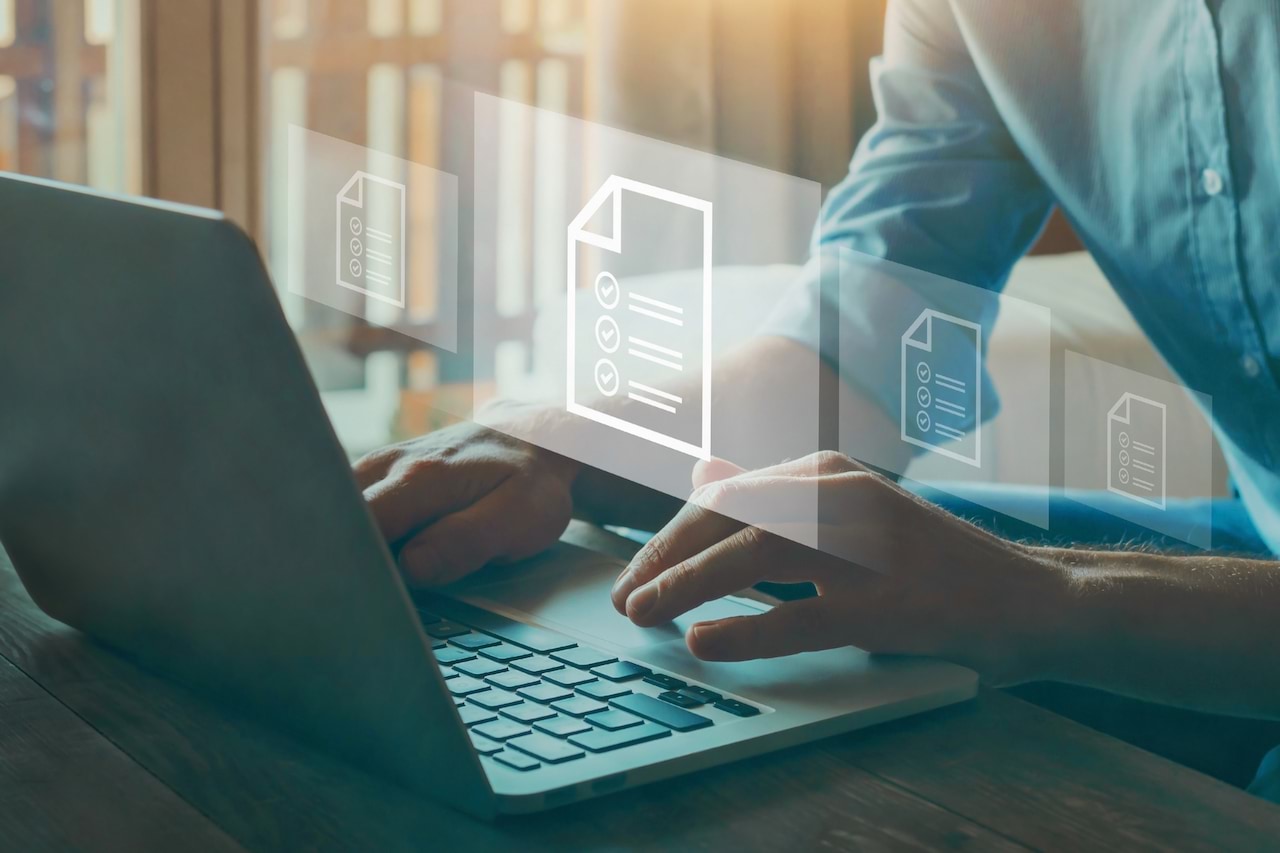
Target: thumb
(713, 470)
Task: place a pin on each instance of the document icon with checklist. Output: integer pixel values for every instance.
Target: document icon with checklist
(371, 238)
(1136, 433)
(942, 386)
(639, 360)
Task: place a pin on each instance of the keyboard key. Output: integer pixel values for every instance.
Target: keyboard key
(504, 652)
(518, 760)
(701, 693)
(545, 693)
(512, 680)
(474, 715)
(603, 690)
(568, 677)
(479, 668)
(599, 740)
(583, 657)
(483, 745)
(738, 709)
(613, 719)
(578, 706)
(501, 729)
(458, 701)
(661, 712)
(438, 644)
(465, 685)
(448, 673)
(474, 642)
(528, 712)
(444, 630)
(622, 670)
(493, 699)
(427, 618)
(682, 699)
(536, 665)
(666, 682)
(449, 655)
(561, 726)
(546, 748)
(525, 636)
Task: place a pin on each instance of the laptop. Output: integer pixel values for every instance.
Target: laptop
(170, 485)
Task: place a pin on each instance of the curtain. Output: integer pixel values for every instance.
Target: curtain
(778, 83)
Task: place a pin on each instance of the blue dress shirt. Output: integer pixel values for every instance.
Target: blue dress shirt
(1153, 124)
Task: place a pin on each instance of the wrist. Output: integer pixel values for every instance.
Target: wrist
(1046, 636)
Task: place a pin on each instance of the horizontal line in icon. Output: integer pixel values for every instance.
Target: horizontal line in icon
(639, 386)
(675, 321)
(639, 399)
(949, 408)
(948, 431)
(649, 345)
(656, 303)
(648, 357)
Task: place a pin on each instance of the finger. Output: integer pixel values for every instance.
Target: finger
(418, 492)
(820, 464)
(372, 467)
(709, 471)
(693, 530)
(745, 558)
(808, 625)
(512, 522)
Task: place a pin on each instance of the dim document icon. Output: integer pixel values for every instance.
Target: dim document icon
(371, 238)
(942, 386)
(1137, 429)
(639, 354)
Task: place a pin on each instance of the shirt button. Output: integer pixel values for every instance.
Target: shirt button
(1211, 181)
(1250, 366)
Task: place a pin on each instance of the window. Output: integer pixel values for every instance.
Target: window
(69, 93)
(372, 73)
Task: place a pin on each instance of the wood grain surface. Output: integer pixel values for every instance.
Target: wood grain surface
(98, 754)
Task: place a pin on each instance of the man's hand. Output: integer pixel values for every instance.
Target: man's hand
(456, 499)
(909, 579)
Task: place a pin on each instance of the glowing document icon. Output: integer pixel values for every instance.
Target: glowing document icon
(942, 386)
(1136, 433)
(639, 359)
(370, 239)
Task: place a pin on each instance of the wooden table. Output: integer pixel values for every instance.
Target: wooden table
(97, 754)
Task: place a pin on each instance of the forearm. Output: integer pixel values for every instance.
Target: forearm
(1201, 632)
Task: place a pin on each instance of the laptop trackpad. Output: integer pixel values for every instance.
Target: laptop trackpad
(568, 590)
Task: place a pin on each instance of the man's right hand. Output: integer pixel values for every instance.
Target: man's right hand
(457, 499)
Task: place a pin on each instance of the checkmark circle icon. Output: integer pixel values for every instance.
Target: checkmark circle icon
(608, 336)
(607, 380)
(608, 293)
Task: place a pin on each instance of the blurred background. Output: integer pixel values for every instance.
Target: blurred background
(190, 101)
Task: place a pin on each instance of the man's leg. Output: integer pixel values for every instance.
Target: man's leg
(1226, 747)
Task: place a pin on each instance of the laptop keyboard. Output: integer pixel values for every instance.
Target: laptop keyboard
(531, 697)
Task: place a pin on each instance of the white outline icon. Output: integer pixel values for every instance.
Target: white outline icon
(611, 192)
(1134, 465)
(389, 256)
(930, 399)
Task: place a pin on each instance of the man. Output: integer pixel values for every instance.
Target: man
(1153, 124)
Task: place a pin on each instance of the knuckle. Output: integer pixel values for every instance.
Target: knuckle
(713, 497)
(755, 539)
(378, 458)
(831, 462)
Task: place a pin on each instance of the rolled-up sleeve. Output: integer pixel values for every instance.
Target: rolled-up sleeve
(938, 185)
